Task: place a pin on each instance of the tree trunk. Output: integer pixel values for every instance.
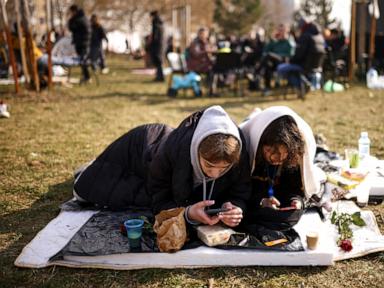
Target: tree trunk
(21, 42)
(4, 21)
(372, 37)
(49, 44)
(352, 44)
(31, 60)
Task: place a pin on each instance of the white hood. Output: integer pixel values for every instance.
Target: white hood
(214, 120)
(258, 121)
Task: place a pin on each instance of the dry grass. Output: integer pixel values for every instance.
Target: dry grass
(49, 135)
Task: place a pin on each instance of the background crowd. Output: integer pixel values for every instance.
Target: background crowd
(302, 56)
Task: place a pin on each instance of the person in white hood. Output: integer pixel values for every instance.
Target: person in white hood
(281, 150)
(202, 163)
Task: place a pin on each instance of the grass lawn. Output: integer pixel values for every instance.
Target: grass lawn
(51, 134)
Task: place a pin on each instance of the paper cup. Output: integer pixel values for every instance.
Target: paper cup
(312, 240)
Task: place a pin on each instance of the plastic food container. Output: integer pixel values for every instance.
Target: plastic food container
(214, 235)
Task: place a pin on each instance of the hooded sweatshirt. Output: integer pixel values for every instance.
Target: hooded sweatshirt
(175, 177)
(254, 127)
(213, 121)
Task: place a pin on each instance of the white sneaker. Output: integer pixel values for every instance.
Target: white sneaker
(105, 70)
(3, 111)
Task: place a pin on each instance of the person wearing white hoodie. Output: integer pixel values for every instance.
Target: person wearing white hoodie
(202, 163)
(281, 150)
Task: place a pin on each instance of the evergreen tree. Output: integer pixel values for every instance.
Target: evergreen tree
(320, 9)
(236, 16)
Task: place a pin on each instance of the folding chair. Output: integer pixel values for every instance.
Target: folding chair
(227, 64)
(177, 64)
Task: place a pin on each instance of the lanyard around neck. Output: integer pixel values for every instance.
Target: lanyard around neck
(205, 190)
(271, 179)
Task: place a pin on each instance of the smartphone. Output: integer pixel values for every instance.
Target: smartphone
(212, 212)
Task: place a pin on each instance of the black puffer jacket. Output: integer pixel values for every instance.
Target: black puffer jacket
(117, 178)
(171, 174)
(310, 48)
(79, 25)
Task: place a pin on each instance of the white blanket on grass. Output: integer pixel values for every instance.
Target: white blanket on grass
(60, 230)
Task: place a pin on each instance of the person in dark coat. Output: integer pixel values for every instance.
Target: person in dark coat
(199, 164)
(199, 58)
(309, 47)
(279, 49)
(78, 24)
(179, 176)
(96, 53)
(156, 47)
(308, 58)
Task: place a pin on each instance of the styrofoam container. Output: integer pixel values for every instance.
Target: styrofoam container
(214, 235)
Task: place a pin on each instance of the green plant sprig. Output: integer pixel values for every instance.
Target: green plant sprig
(343, 222)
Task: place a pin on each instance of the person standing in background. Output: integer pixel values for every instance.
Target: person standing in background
(156, 46)
(78, 24)
(96, 53)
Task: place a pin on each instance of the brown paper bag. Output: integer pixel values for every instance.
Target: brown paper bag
(171, 229)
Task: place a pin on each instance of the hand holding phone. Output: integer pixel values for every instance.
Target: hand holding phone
(233, 216)
(196, 212)
(212, 212)
(270, 202)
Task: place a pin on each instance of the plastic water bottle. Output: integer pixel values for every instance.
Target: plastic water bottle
(316, 81)
(364, 145)
(372, 77)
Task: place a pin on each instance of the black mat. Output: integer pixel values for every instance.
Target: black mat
(102, 235)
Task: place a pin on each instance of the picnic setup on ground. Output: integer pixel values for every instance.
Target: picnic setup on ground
(109, 223)
(241, 137)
